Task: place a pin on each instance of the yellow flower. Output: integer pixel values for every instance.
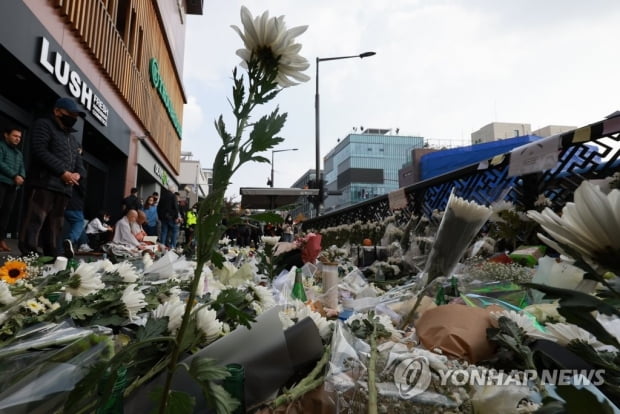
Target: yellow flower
(13, 270)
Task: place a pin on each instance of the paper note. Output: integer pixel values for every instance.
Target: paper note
(534, 157)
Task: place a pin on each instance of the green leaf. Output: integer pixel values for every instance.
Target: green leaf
(81, 312)
(207, 369)
(153, 328)
(178, 402)
(217, 259)
(108, 320)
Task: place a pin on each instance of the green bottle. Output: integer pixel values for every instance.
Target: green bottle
(298, 287)
(234, 384)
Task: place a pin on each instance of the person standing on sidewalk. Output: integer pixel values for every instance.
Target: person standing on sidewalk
(12, 175)
(55, 168)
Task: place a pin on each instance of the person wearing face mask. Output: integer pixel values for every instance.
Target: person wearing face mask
(55, 167)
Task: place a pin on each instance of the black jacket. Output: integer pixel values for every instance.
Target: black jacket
(168, 206)
(52, 152)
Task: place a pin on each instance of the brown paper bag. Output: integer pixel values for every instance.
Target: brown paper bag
(457, 330)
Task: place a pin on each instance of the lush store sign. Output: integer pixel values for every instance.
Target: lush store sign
(158, 84)
(60, 68)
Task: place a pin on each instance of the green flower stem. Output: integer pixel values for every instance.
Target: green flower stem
(372, 376)
(307, 384)
(228, 159)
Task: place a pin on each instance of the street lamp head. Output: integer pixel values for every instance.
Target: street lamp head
(367, 54)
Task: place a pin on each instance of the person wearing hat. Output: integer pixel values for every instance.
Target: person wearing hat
(55, 167)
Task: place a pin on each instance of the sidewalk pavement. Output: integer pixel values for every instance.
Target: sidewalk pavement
(12, 243)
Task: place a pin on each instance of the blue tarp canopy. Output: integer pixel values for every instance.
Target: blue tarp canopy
(437, 163)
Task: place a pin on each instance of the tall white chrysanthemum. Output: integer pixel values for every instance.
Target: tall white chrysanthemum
(590, 225)
(84, 281)
(133, 300)
(127, 272)
(269, 40)
(208, 324)
(173, 309)
(6, 298)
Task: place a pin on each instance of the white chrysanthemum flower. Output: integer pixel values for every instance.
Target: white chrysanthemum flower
(499, 206)
(286, 320)
(45, 301)
(6, 298)
(225, 241)
(545, 312)
(127, 272)
(268, 39)
(105, 265)
(563, 333)
(206, 320)
(173, 309)
(147, 260)
(264, 295)
(271, 240)
(84, 281)
(133, 300)
(524, 322)
(590, 225)
(542, 201)
(34, 306)
(324, 326)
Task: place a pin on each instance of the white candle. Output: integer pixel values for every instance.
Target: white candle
(60, 263)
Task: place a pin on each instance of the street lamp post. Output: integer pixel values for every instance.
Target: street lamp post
(317, 130)
(274, 151)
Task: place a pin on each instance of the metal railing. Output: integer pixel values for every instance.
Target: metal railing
(589, 152)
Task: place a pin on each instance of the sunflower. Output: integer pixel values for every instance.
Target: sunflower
(13, 270)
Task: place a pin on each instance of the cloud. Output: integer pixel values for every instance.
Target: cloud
(443, 69)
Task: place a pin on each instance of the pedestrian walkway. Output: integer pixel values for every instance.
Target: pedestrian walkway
(12, 243)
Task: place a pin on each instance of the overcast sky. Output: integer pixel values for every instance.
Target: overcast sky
(443, 69)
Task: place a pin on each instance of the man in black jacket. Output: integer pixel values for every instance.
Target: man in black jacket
(55, 167)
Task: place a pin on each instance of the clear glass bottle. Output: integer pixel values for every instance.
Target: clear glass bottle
(298, 287)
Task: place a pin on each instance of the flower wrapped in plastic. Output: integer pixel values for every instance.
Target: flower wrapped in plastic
(461, 221)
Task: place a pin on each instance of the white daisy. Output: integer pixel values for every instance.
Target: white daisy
(133, 300)
(34, 306)
(84, 281)
(6, 298)
(173, 309)
(127, 272)
(206, 320)
(499, 206)
(268, 39)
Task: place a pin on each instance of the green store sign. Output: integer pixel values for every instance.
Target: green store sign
(158, 84)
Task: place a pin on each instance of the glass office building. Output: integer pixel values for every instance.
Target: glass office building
(363, 166)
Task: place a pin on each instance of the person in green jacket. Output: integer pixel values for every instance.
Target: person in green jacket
(12, 175)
